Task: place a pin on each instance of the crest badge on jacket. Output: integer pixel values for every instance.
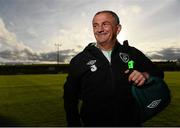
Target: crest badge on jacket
(124, 57)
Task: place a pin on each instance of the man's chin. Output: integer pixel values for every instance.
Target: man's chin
(102, 42)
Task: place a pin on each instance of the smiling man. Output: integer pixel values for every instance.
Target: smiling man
(106, 27)
(99, 77)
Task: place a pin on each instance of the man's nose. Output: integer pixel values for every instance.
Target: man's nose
(100, 29)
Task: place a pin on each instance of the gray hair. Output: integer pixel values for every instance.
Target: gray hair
(112, 13)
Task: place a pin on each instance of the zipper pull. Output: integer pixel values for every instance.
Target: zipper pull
(130, 68)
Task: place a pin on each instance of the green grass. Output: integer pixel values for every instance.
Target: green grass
(36, 100)
(32, 100)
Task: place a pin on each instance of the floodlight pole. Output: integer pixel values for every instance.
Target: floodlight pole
(58, 52)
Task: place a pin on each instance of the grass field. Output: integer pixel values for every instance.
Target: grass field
(36, 100)
(31, 100)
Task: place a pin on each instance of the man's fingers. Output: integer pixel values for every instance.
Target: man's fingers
(141, 82)
(133, 76)
(137, 77)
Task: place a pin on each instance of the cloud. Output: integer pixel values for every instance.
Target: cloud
(166, 54)
(130, 10)
(9, 39)
(25, 55)
(30, 29)
(32, 32)
(14, 50)
(64, 55)
(18, 54)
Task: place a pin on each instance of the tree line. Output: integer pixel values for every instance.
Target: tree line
(63, 68)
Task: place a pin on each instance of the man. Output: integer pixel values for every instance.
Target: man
(100, 78)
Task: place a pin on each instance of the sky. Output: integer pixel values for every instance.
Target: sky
(31, 29)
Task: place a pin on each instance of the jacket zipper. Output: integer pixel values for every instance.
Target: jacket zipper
(113, 89)
(112, 78)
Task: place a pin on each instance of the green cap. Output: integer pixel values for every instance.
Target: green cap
(131, 64)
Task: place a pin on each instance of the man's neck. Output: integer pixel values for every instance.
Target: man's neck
(108, 46)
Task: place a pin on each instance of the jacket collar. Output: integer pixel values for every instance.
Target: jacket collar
(96, 52)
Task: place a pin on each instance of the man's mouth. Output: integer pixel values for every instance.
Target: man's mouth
(100, 34)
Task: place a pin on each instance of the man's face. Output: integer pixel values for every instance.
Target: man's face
(105, 28)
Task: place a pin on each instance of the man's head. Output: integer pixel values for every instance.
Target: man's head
(106, 26)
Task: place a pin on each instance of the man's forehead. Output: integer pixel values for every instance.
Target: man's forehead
(104, 14)
(103, 17)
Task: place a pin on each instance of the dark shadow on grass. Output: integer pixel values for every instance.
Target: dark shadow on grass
(8, 122)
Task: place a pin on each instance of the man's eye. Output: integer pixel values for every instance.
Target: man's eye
(94, 26)
(106, 24)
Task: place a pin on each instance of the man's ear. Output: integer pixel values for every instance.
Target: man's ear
(118, 29)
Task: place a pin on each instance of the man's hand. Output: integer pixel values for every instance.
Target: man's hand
(137, 77)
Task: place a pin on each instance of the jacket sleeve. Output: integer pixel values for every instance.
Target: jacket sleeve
(71, 97)
(144, 64)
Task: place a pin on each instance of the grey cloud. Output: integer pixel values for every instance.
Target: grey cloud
(64, 55)
(165, 54)
(18, 55)
(26, 55)
(79, 46)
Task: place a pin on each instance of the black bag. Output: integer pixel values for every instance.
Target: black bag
(152, 97)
